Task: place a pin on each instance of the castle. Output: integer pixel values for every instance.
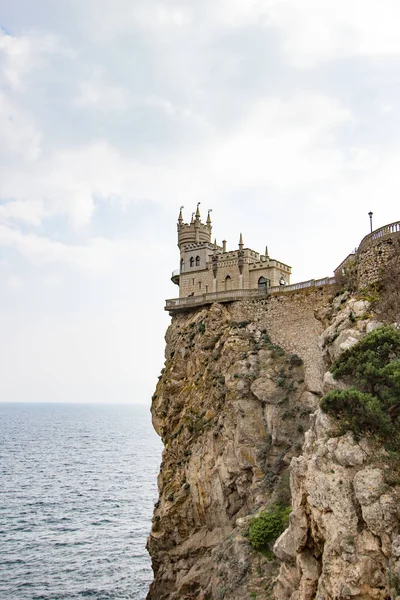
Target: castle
(206, 268)
(210, 273)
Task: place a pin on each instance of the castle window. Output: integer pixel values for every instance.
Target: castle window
(197, 261)
(199, 285)
(191, 261)
(228, 283)
(182, 265)
(262, 284)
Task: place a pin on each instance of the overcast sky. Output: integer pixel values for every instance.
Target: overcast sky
(280, 115)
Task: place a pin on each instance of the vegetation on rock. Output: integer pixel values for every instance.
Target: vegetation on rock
(268, 526)
(372, 405)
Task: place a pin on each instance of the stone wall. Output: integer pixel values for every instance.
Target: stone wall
(201, 280)
(196, 282)
(295, 322)
(373, 257)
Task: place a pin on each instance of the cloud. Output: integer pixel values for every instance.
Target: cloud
(97, 93)
(15, 282)
(19, 136)
(97, 255)
(21, 55)
(285, 144)
(315, 31)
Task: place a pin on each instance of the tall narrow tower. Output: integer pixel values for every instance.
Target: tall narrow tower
(194, 242)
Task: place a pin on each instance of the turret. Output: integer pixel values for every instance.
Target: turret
(197, 224)
(194, 232)
(180, 218)
(241, 255)
(215, 259)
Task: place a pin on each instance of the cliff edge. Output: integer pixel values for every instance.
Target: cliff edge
(238, 403)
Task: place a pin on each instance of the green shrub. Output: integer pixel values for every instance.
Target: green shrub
(372, 405)
(358, 411)
(268, 526)
(365, 361)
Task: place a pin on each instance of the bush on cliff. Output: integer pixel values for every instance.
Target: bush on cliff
(372, 406)
(268, 526)
(365, 363)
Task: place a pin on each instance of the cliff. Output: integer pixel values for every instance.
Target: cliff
(238, 403)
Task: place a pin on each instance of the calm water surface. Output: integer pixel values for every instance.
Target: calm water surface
(77, 489)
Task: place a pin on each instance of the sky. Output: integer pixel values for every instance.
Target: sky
(281, 116)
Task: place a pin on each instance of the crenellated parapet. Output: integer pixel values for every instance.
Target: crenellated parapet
(194, 232)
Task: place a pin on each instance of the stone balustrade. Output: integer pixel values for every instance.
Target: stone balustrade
(390, 229)
(179, 304)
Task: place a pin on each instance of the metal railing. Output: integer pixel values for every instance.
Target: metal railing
(232, 295)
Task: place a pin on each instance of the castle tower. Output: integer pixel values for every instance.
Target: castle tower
(194, 233)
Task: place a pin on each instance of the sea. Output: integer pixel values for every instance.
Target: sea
(78, 485)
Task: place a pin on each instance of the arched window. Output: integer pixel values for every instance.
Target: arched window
(197, 261)
(228, 283)
(182, 265)
(191, 261)
(263, 284)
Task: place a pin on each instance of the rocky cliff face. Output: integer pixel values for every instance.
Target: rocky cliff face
(343, 540)
(240, 387)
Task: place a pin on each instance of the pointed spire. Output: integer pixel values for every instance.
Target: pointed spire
(180, 218)
(198, 212)
(241, 242)
(209, 218)
(266, 251)
(192, 220)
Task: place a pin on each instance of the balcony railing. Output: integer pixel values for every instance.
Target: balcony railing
(177, 304)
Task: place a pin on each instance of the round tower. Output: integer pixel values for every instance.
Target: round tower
(194, 232)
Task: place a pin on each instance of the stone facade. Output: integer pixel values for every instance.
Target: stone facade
(206, 267)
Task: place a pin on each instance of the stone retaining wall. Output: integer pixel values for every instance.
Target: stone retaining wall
(372, 259)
